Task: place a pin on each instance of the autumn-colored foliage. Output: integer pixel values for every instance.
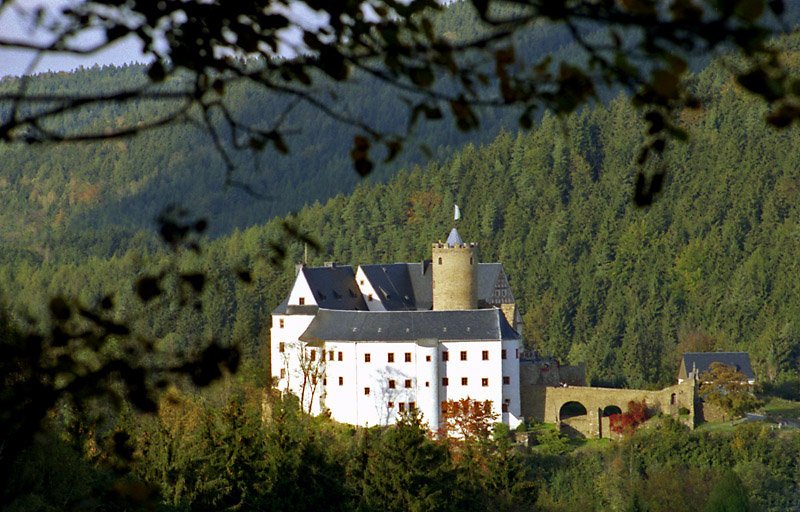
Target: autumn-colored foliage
(627, 422)
(467, 418)
(725, 386)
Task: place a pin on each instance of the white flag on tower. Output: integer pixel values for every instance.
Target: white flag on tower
(456, 213)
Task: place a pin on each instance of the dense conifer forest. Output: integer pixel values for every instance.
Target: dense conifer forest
(709, 266)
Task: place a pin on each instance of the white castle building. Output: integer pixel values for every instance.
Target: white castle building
(365, 346)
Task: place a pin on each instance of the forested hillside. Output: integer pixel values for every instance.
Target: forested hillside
(711, 265)
(59, 201)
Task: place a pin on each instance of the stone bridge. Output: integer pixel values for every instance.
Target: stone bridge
(584, 410)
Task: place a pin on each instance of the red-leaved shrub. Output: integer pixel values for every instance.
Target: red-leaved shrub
(627, 422)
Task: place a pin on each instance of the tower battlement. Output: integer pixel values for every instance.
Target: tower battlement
(442, 245)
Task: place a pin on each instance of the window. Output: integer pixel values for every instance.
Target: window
(412, 406)
(391, 405)
(322, 355)
(366, 391)
(324, 382)
(506, 380)
(281, 347)
(283, 372)
(367, 358)
(408, 383)
(505, 407)
(445, 355)
(464, 381)
(484, 382)
(517, 356)
(427, 359)
(313, 355)
(341, 381)
(330, 355)
(391, 384)
(408, 357)
(463, 355)
(503, 353)
(362, 282)
(340, 356)
(445, 381)
(280, 323)
(427, 384)
(301, 300)
(402, 406)
(369, 297)
(485, 355)
(470, 260)
(391, 357)
(444, 406)
(440, 260)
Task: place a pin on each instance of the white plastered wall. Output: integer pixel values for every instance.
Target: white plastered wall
(291, 378)
(301, 289)
(370, 294)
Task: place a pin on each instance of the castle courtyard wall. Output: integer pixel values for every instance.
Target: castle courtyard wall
(543, 403)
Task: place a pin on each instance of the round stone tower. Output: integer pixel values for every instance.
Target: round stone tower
(455, 274)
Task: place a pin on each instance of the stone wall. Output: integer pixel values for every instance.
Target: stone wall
(547, 372)
(544, 404)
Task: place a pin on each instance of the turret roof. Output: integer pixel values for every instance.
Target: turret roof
(454, 239)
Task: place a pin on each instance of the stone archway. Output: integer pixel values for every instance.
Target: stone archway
(573, 418)
(611, 409)
(571, 410)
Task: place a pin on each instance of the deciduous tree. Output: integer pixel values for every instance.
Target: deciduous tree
(725, 386)
(468, 419)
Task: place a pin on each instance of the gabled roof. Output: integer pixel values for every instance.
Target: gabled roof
(393, 285)
(408, 285)
(334, 287)
(701, 361)
(487, 279)
(421, 282)
(401, 326)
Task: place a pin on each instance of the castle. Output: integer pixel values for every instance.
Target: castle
(366, 345)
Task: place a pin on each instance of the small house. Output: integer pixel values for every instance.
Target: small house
(694, 364)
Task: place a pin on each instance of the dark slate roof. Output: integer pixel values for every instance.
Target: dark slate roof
(702, 361)
(334, 287)
(393, 285)
(387, 326)
(281, 308)
(413, 280)
(422, 283)
(487, 279)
